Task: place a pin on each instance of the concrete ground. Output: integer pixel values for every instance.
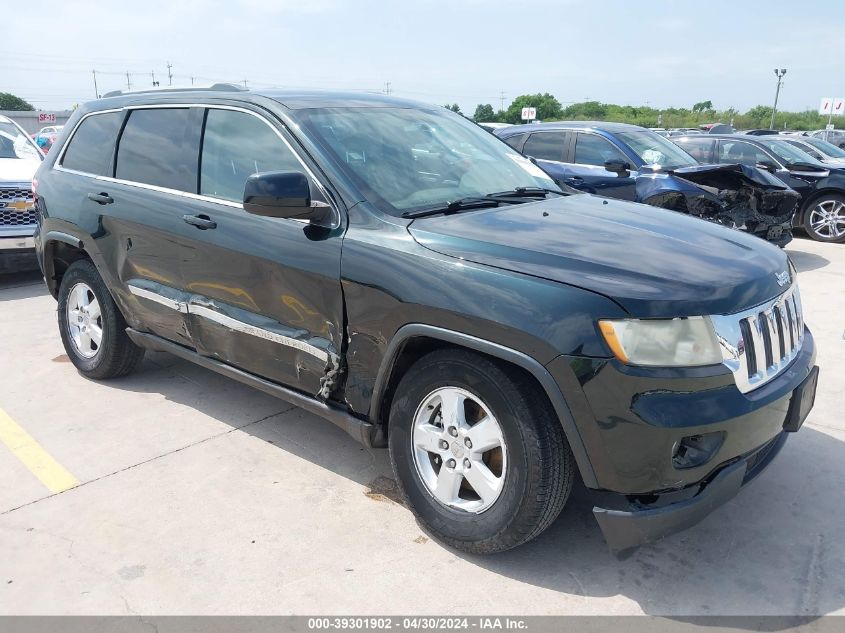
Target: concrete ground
(198, 495)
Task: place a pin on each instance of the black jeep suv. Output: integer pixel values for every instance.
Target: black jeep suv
(396, 269)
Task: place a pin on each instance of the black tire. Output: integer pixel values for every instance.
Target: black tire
(116, 355)
(539, 476)
(808, 215)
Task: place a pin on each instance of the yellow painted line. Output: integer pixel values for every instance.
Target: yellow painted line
(39, 462)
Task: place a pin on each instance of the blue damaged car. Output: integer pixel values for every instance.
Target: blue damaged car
(624, 161)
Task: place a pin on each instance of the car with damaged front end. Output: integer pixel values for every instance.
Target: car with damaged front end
(395, 269)
(633, 163)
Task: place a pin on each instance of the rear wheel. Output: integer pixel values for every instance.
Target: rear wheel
(824, 219)
(92, 328)
(479, 454)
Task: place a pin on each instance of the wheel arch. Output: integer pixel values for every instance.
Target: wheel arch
(414, 340)
(808, 203)
(60, 250)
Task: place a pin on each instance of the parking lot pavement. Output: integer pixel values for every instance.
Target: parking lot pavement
(200, 495)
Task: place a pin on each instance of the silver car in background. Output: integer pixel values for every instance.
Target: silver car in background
(19, 158)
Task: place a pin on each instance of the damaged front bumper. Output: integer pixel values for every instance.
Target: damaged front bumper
(736, 196)
(632, 525)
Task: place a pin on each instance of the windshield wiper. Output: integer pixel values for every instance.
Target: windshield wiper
(525, 192)
(461, 204)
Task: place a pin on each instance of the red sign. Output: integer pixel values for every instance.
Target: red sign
(46, 117)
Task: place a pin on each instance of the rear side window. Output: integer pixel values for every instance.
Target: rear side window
(159, 147)
(545, 145)
(91, 147)
(701, 149)
(236, 145)
(591, 149)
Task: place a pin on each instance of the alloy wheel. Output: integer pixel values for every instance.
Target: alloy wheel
(459, 450)
(827, 219)
(85, 322)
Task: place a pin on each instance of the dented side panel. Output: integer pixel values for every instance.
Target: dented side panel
(265, 295)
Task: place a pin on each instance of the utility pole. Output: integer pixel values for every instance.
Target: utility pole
(387, 87)
(169, 74)
(779, 74)
(153, 75)
(501, 100)
(245, 86)
(96, 90)
(128, 85)
(192, 80)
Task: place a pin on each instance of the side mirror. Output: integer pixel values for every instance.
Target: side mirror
(617, 165)
(767, 165)
(282, 194)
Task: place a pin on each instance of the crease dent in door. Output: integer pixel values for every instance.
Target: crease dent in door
(319, 354)
(316, 348)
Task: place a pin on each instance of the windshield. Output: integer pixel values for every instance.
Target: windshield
(789, 153)
(653, 149)
(829, 149)
(405, 159)
(15, 144)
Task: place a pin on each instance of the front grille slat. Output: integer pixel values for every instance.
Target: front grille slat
(16, 207)
(765, 323)
(761, 342)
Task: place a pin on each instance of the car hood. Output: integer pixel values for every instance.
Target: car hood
(652, 262)
(18, 169)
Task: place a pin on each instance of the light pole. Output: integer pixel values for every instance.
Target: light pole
(779, 74)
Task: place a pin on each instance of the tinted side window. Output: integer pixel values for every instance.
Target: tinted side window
(90, 150)
(591, 149)
(236, 145)
(807, 149)
(545, 145)
(701, 149)
(157, 147)
(741, 152)
(515, 141)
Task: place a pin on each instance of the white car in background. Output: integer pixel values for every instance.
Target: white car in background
(19, 158)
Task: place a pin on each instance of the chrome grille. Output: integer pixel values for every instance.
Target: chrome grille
(16, 207)
(761, 342)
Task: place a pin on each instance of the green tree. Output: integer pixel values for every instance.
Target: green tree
(548, 108)
(454, 107)
(484, 112)
(9, 101)
(703, 106)
(759, 116)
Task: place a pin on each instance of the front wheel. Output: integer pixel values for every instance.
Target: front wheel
(478, 451)
(824, 219)
(92, 328)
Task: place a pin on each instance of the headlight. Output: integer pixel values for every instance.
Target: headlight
(687, 342)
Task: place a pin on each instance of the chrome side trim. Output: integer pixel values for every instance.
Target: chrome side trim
(160, 299)
(229, 322)
(246, 328)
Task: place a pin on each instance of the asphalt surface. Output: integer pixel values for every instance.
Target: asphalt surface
(193, 494)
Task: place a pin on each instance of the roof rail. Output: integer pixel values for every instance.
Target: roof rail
(217, 87)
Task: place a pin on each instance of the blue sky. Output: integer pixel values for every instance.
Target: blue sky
(664, 53)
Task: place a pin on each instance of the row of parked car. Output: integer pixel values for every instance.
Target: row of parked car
(765, 185)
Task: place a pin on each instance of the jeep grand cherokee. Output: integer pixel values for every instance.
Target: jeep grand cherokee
(394, 268)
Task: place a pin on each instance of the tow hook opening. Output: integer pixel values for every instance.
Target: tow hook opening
(695, 450)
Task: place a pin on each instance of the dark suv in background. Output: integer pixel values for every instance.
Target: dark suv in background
(821, 212)
(394, 268)
(633, 163)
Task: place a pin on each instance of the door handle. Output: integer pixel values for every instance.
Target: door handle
(201, 221)
(575, 180)
(101, 198)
